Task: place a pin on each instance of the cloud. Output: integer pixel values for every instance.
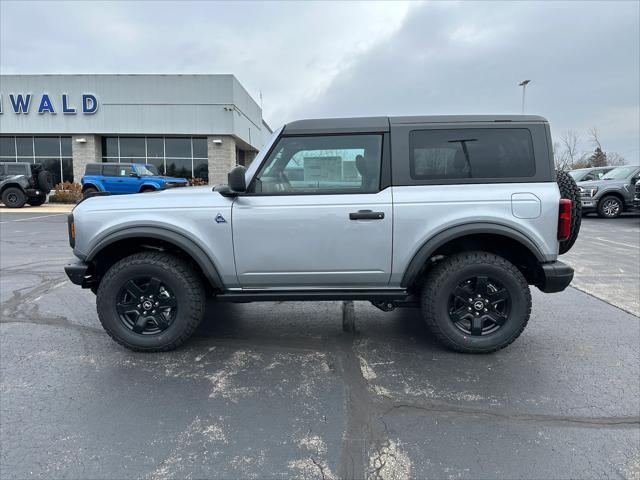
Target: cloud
(347, 59)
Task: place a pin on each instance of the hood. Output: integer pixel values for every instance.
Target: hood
(600, 183)
(170, 199)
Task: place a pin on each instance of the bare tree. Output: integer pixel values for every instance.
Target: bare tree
(560, 157)
(594, 136)
(615, 159)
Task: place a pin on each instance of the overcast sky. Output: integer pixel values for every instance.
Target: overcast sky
(349, 59)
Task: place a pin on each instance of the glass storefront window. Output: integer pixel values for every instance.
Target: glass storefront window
(132, 147)
(65, 146)
(24, 146)
(155, 147)
(177, 147)
(179, 167)
(7, 147)
(110, 147)
(199, 148)
(201, 169)
(47, 146)
(54, 153)
(176, 156)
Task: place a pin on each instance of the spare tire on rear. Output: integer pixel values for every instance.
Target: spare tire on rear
(45, 181)
(569, 189)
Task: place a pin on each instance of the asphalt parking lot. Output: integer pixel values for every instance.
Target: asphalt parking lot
(278, 390)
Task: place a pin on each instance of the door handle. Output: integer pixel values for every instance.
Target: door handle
(366, 215)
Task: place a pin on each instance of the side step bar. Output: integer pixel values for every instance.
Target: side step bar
(312, 295)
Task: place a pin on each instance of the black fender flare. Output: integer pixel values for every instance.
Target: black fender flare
(426, 250)
(170, 236)
(92, 184)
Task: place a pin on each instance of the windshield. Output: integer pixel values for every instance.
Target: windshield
(619, 173)
(577, 174)
(263, 151)
(147, 170)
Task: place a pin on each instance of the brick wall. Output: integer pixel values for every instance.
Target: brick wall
(83, 153)
(221, 157)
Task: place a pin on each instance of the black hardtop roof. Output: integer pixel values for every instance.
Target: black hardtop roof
(382, 124)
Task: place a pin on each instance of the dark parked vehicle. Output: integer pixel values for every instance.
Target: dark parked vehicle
(636, 197)
(612, 194)
(120, 178)
(22, 182)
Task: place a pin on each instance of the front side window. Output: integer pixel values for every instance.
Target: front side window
(322, 164)
(124, 170)
(478, 153)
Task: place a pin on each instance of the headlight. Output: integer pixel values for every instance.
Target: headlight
(588, 192)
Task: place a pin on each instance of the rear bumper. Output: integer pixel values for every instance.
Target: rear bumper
(554, 277)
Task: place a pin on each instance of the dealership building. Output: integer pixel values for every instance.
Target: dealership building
(186, 125)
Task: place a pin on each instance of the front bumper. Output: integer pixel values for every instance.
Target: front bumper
(78, 273)
(588, 203)
(554, 277)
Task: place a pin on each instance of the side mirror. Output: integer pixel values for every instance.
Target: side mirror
(134, 174)
(235, 179)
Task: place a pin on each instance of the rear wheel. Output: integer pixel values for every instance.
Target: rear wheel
(610, 207)
(476, 302)
(13, 197)
(150, 302)
(38, 200)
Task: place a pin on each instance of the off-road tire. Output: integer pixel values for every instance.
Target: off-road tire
(89, 191)
(37, 200)
(45, 181)
(443, 279)
(13, 197)
(183, 280)
(569, 189)
(603, 202)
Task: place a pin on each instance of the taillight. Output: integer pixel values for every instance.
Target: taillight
(564, 219)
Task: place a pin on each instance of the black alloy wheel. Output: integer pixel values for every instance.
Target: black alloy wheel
(146, 306)
(479, 306)
(150, 301)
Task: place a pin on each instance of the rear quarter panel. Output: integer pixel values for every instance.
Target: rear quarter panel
(421, 212)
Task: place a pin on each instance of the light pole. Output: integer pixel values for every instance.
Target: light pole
(523, 84)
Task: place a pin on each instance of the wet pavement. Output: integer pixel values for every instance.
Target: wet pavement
(278, 390)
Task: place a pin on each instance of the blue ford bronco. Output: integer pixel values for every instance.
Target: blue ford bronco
(119, 178)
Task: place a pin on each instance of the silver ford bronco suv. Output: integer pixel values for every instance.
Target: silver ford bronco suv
(456, 215)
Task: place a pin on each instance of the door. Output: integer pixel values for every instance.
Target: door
(116, 179)
(315, 216)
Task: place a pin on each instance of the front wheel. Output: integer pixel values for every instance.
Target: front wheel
(13, 197)
(610, 207)
(476, 302)
(150, 302)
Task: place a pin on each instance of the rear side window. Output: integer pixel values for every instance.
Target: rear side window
(110, 170)
(17, 169)
(471, 153)
(92, 169)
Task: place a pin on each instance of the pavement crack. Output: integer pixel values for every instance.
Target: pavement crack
(447, 409)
